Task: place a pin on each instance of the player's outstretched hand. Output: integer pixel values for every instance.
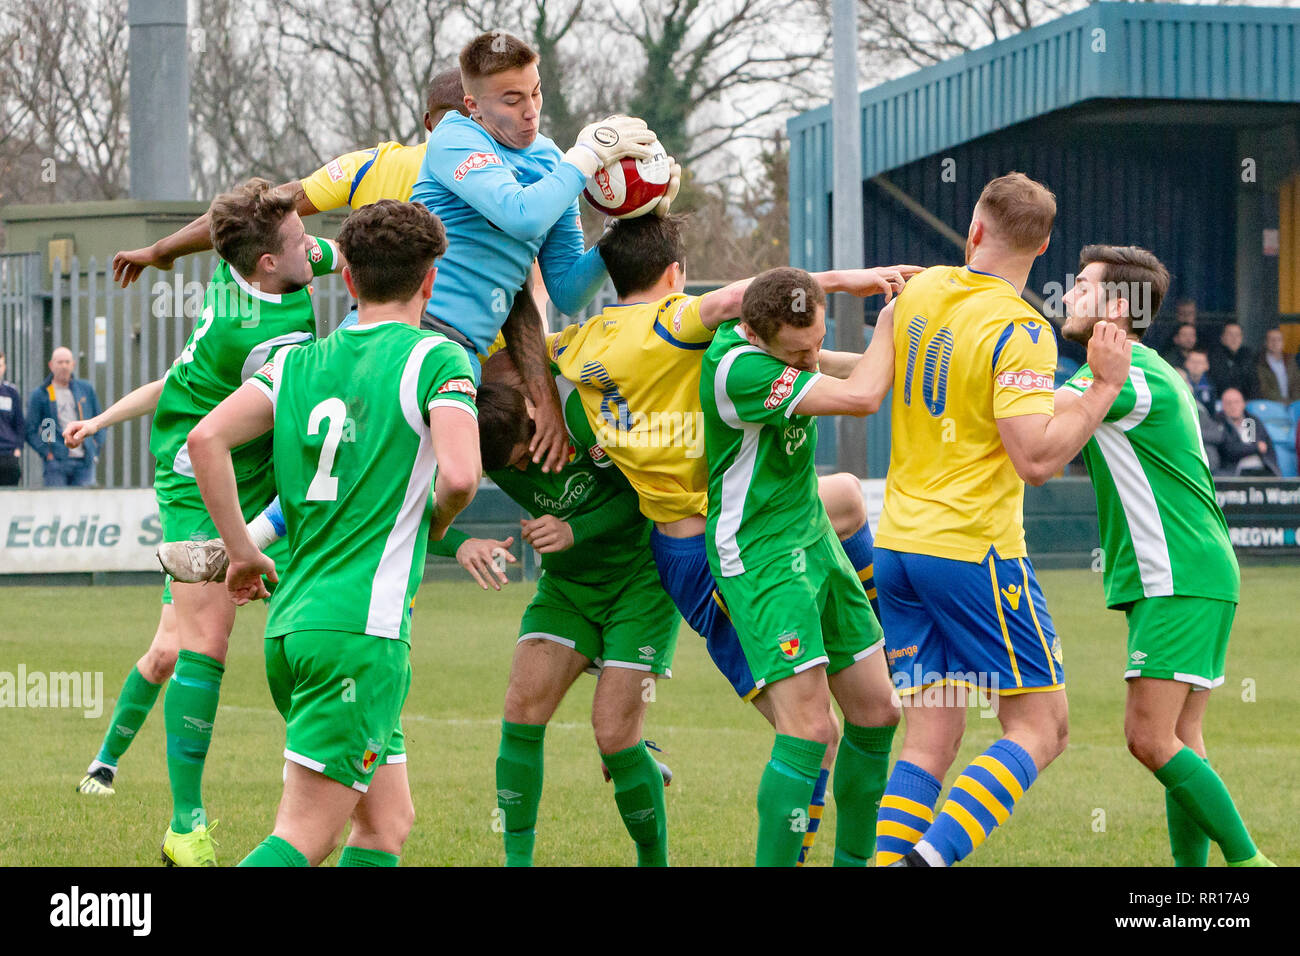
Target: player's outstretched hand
(1109, 354)
(550, 444)
(127, 266)
(485, 559)
(674, 184)
(547, 534)
(244, 578)
(882, 280)
(77, 432)
(610, 139)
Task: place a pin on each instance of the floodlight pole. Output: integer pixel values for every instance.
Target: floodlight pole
(846, 216)
(158, 48)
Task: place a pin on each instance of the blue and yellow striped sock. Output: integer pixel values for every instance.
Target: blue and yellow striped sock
(980, 799)
(858, 547)
(906, 811)
(816, 807)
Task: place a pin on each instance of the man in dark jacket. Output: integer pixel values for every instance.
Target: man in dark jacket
(61, 400)
(1245, 448)
(1232, 365)
(11, 430)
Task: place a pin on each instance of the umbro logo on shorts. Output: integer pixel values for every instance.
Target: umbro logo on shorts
(1137, 657)
(647, 653)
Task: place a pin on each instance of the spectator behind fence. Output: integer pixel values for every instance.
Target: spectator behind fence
(1245, 448)
(1231, 364)
(1183, 342)
(1277, 377)
(62, 399)
(11, 430)
(1197, 370)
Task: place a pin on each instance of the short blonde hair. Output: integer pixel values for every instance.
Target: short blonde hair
(1018, 211)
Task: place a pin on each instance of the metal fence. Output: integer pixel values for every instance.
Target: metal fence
(124, 338)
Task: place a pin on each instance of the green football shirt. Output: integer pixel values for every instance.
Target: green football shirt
(354, 465)
(1162, 532)
(763, 501)
(591, 495)
(238, 329)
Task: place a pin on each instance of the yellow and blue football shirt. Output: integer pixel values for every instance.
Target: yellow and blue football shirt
(386, 171)
(637, 369)
(968, 350)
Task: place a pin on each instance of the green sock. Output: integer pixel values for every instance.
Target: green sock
(362, 856)
(639, 793)
(133, 705)
(1199, 791)
(519, 788)
(189, 710)
(861, 773)
(784, 792)
(273, 851)
(1189, 844)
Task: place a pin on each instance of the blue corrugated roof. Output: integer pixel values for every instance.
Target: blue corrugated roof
(1113, 50)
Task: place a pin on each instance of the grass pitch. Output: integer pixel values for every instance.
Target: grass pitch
(1094, 806)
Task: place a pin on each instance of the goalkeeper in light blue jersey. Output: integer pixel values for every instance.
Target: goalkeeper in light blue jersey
(507, 195)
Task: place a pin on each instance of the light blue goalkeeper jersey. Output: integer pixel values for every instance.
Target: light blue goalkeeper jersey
(502, 209)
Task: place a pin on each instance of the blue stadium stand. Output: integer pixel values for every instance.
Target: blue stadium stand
(1278, 422)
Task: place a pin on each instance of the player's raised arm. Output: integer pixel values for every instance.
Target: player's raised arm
(1039, 445)
(722, 304)
(466, 160)
(140, 401)
(524, 342)
(195, 236)
(863, 390)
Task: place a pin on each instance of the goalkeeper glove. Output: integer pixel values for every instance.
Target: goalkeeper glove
(674, 184)
(608, 140)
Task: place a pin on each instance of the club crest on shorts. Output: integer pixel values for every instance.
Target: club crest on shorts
(791, 649)
(368, 759)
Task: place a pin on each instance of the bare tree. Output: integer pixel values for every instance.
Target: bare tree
(64, 97)
(711, 71)
(255, 105)
(380, 56)
(923, 32)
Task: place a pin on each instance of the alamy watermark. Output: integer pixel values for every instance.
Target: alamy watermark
(968, 689)
(77, 689)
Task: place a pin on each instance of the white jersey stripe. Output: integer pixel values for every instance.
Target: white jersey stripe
(739, 474)
(1150, 548)
(388, 595)
(1141, 401)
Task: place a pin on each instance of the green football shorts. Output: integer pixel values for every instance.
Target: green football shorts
(801, 610)
(184, 516)
(630, 622)
(341, 697)
(1179, 638)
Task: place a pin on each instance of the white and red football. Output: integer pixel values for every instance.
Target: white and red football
(630, 187)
